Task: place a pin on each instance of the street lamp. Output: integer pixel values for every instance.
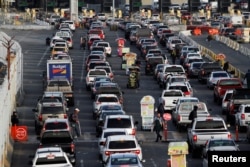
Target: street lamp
(113, 9)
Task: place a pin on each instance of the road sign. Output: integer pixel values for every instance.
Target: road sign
(19, 133)
(167, 116)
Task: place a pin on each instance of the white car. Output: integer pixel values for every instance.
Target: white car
(242, 116)
(106, 45)
(106, 133)
(172, 41)
(215, 76)
(67, 30)
(186, 99)
(50, 156)
(185, 87)
(121, 143)
(71, 25)
(56, 39)
(225, 100)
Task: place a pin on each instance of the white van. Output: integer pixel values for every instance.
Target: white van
(235, 20)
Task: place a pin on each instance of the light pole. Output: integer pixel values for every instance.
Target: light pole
(113, 9)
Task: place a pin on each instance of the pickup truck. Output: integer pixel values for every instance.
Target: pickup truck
(181, 113)
(206, 68)
(223, 85)
(169, 70)
(59, 138)
(204, 129)
(62, 85)
(168, 97)
(239, 96)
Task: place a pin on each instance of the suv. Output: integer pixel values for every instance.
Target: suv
(122, 122)
(53, 97)
(71, 25)
(185, 87)
(152, 62)
(59, 138)
(50, 156)
(48, 110)
(242, 117)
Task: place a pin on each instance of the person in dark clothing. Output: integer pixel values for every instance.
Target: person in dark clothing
(247, 78)
(193, 114)
(226, 66)
(160, 109)
(14, 119)
(158, 124)
(75, 123)
(209, 39)
(173, 56)
(83, 43)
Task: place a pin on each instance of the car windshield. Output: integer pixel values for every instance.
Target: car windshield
(210, 124)
(56, 125)
(119, 123)
(107, 99)
(97, 72)
(52, 110)
(124, 161)
(107, 134)
(52, 161)
(122, 144)
(219, 143)
(218, 75)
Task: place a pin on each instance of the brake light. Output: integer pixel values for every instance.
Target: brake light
(202, 72)
(179, 117)
(195, 138)
(65, 116)
(137, 151)
(229, 136)
(72, 147)
(111, 75)
(187, 93)
(242, 116)
(40, 118)
(169, 163)
(133, 132)
(107, 153)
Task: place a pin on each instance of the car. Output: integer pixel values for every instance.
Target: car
(48, 110)
(106, 45)
(91, 39)
(172, 41)
(194, 69)
(56, 39)
(98, 48)
(96, 84)
(152, 62)
(93, 56)
(174, 78)
(225, 100)
(71, 25)
(104, 98)
(101, 16)
(50, 156)
(185, 99)
(59, 138)
(67, 30)
(52, 97)
(220, 145)
(185, 87)
(91, 76)
(93, 63)
(187, 62)
(242, 117)
(108, 69)
(53, 18)
(106, 133)
(158, 68)
(57, 50)
(215, 76)
(123, 159)
(101, 117)
(56, 124)
(121, 122)
(61, 44)
(121, 143)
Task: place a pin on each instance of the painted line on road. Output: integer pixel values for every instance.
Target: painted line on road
(44, 54)
(83, 66)
(153, 162)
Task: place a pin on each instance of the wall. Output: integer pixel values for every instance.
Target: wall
(9, 91)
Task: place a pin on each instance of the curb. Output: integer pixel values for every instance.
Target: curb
(27, 27)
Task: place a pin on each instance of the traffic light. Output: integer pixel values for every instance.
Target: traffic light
(164, 5)
(193, 5)
(135, 5)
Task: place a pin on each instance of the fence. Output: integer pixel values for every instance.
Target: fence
(9, 91)
(184, 35)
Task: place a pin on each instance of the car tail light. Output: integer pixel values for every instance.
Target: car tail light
(65, 116)
(40, 118)
(133, 131)
(187, 94)
(107, 153)
(111, 75)
(195, 138)
(148, 65)
(137, 151)
(97, 102)
(169, 163)
(242, 116)
(179, 117)
(72, 147)
(40, 146)
(229, 136)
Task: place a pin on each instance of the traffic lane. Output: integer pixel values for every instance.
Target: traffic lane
(235, 58)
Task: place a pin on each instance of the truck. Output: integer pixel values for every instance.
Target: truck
(223, 85)
(144, 32)
(168, 99)
(205, 70)
(59, 77)
(238, 97)
(202, 130)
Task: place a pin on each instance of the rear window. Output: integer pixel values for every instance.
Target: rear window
(193, 49)
(174, 69)
(103, 44)
(228, 96)
(247, 109)
(230, 83)
(107, 134)
(124, 160)
(170, 94)
(54, 160)
(97, 73)
(105, 114)
(210, 125)
(220, 75)
(219, 143)
(52, 110)
(119, 123)
(55, 125)
(107, 99)
(56, 137)
(92, 65)
(182, 88)
(122, 144)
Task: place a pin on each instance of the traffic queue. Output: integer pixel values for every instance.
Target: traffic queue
(58, 130)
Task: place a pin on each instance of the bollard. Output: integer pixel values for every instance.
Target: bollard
(237, 133)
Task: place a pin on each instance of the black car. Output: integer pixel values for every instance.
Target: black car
(164, 38)
(152, 62)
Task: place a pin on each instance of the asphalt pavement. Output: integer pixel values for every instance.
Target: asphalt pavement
(35, 56)
(234, 57)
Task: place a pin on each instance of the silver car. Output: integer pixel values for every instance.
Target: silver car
(123, 159)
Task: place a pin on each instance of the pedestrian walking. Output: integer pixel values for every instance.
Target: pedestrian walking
(226, 66)
(209, 39)
(14, 119)
(193, 114)
(173, 56)
(158, 125)
(247, 78)
(83, 43)
(75, 123)
(138, 77)
(160, 109)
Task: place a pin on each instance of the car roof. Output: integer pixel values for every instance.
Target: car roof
(106, 95)
(118, 116)
(121, 137)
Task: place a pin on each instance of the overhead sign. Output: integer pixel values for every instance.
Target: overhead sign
(19, 133)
